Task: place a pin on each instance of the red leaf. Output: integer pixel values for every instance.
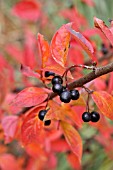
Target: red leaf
(9, 124)
(44, 49)
(73, 139)
(88, 2)
(104, 101)
(101, 25)
(73, 160)
(27, 10)
(86, 45)
(59, 146)
(100, 84)
(32, 127)
(15, 52)
(73, 15)
(27, 71)
(60, 45)
(7, 161)
(29, 48)
(30, 96)
(73, 52)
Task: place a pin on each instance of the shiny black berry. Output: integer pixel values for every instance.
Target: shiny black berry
(86, 116)
(74, 94)
(95, 116)
(65, 96)
(49, 73)
(47, 122)
(57, 88)
(41, 114)
(57, 79)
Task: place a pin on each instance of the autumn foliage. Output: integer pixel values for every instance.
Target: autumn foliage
(71, 52)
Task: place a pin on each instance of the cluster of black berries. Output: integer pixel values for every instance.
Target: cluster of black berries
(41, 116)
(65, 94)
(93, 116)
(62, 91)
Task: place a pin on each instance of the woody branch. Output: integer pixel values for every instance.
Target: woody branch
(99, 71)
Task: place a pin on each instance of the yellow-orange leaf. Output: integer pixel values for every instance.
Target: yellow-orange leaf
(73, 139)
(104, 101)
(64, 113)
(79, 102)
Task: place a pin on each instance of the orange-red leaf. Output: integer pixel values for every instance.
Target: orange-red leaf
(86, 45)
(101, 25)
(104, 101)
(31, 130)
(60, 45)
(44, 49)
(30, 96)
(73, 139)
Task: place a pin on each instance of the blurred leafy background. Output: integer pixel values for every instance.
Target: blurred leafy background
(94, 157)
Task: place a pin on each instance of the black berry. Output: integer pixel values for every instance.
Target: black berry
(74, 94)
(86, 116)
(104, 50)
(47, 122)
(95, 116)
(49, 73)
(57, 88)
(41, 114)
(65, 96)
(57, 79)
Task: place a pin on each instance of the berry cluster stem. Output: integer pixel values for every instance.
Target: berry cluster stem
(74, 66)
(87, 102)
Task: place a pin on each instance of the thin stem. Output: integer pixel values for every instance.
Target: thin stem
(78, 65)
(74, 66)
(87, 102)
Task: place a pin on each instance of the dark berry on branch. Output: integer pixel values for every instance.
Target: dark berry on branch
(57, 79)
(57, 88)
(74, 94)
(49, 73)
(47, 122)
(65, 96)
(104, 50)
(95, 116)
(86, 116)
(41, 114)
